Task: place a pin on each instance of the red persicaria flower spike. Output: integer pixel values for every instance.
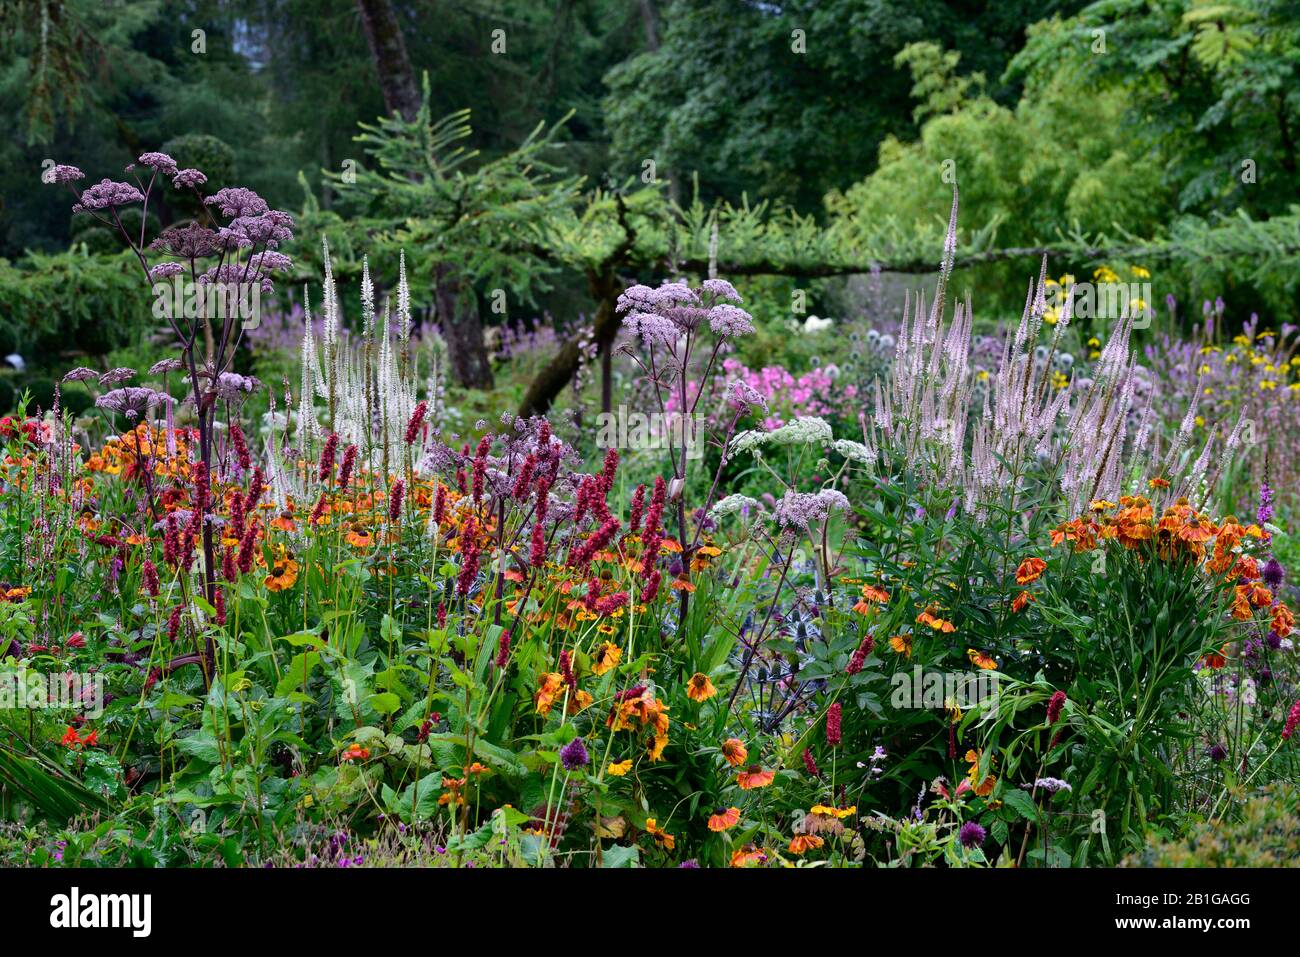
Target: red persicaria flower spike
(525, 478)
(327, 458)
(416, 420)
(566, 670)
(237, 514)
(537, 554)
(859, 657)
(241, 447)
(480, 466)
(1292, 719)
(833, 727)
(810, 764)
(149, 578)
(611, 467)
(256, 486)
(638, 506)
(593, 594)
(174, 623)
(318, 512)
(442, 615)
(651, 590)
(246, 549)
(440, 505)
(201, 486)
(543, 498)
(228, 564)
(1054, 706)
(349, 462)
(609, 604)
(219, 603)
(395, 501)
(503, 649)
(172, 541)
(462, 483)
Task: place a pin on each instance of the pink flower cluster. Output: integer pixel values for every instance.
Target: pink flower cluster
(815, 392)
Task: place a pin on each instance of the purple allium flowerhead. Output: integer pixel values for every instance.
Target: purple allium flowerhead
(574, 755)
(237, 201)
(107, 193)
(80, 374)
(1217, 752)
(971, 835)
(1273, 573)
(62, 174)
(158, 161)
(165, 271)
(691, 864)
(728, 320)
(189, 178)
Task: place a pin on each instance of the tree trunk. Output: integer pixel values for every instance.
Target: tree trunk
(396, 78)
(462, 328)
(557, 374)
(456, 304)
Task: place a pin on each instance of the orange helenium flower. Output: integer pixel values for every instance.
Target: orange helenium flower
(754, 777)
(700, 688)
(720, 820)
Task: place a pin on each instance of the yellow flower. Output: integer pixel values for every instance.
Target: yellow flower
(700, 688)
(620, 768)
(607, 657)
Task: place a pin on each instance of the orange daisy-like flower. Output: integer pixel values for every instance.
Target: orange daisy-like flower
(656, 747)
(360, 538)
(981, 788)
(355, 752)
(928, 617)
(283, 574)
(662, 837)
(1216, 660)
(1030, 569)
(620, 768)
(1283, 620)
(981, 660)
(606, 658)
(902, 644)
(721, 820)
(549, 687)
(803, 843)
(1021, 600)
(700, 688)
(733, 749)
(1197, 530)
(754, 777)
(1157, 483)
(749, 854)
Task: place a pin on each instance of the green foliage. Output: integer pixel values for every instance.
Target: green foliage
(1266, 833)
